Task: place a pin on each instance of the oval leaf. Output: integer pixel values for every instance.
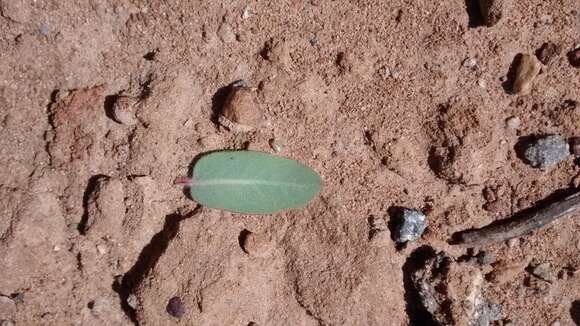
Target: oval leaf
(252, 182)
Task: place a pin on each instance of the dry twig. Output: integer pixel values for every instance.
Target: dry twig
(521, 225)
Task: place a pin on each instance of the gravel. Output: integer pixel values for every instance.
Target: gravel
(547, 151)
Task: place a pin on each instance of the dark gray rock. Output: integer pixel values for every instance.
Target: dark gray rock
(410, 225)
(175, 307)
(547, 151)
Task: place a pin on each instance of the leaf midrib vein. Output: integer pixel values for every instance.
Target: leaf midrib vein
(251, 182)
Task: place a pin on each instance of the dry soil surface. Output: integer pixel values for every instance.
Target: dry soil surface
(103, 104)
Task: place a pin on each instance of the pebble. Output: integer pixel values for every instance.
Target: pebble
(226, 34)
(544, 272)
(378, 232)
(548, 52)
(396, 73)
(101, 249)
(175, 307)
(411, 224)
(513, 122)
(132, 301)
(547, 151)
(276, 145)
(6, 323)
(492, 11)
(246, 12)
(469, 63)
(43, 30)
(313, 41)
(575, 146)
(555, 323)
(124, 110)
(256, 244)
(241, 111)
(526, 72)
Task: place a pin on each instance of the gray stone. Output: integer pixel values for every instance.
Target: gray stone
(544, 272)
(487, 313)
(547, 151)
(411, 224)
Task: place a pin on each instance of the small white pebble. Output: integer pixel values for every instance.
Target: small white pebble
(276, 145)
(56, 248)
(246, 12)
(102, 249)
(512, 243)
(555, 323)
(469, 63)
(482, 83)
(513, 122)
(132, 301)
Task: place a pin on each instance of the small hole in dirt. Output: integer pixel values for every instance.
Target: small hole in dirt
(91, 187)
(109, 106)
(242, 237)
(91, 304)
(474, 13)
(575, 312)
(149, 56)
(219, 100)
(394, 214)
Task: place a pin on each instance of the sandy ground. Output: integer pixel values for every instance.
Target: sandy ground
(367, 93)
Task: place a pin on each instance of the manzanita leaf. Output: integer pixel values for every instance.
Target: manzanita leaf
(252, 182)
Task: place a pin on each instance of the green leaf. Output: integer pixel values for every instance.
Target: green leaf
(252, 182)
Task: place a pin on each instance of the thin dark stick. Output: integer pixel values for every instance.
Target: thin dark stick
(518, 226)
